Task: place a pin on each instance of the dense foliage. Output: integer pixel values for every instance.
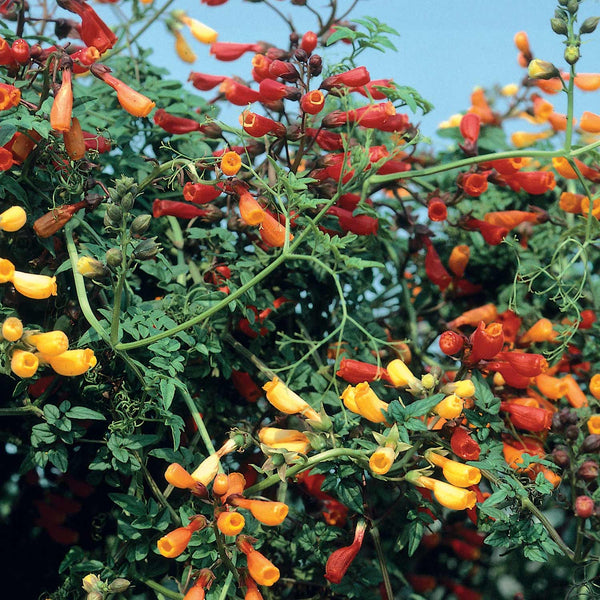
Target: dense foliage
(307, 351)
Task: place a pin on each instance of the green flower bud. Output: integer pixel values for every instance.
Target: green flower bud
(114, 212)
(589, 25)
(140, 224)
(127, 202)
(113, 257)
(118, 585)
(146, 249)
(559, 26)
(572, 6)
(572, 54)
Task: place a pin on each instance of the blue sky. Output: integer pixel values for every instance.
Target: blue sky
(445, 48)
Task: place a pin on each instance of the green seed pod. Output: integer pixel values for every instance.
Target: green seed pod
(572, 6)
(589, 25)
(113, 257)
(572, 54)
(118, 585)
(146, 249)
(559, 26)
(140, 224)
(127, 202)
(114, 212)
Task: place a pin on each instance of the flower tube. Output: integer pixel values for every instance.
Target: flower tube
(37, 287)
(50, 343)
(456, 473)
(287, 401)
(72, 362)
(268, 513)
(261, 569)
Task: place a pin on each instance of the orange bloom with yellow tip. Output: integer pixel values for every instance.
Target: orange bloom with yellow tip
(230, 523)
(381, 461)
(593, 424)
(268, 513)
(283, 399)
(456, 473)
(261, 569)
(231, 163)
(23, 363)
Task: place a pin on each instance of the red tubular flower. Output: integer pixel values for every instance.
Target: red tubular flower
(395, 123)
(464, 550)
(473, 184)
(270, 89)
(6, 159)
(355, 371)
(237, 93)
(350, 201)
(533, 182)
(93, 30)
(53, 221)
(200, 193)
(486, 342)
(509, 374)
(10, 96)
(174, 125)
(256, 125)
(251, 211)
(6, 56)
(358, 224)
(529, 418)
(463, 445)
(505, 166)
(227, 51)
(272, 232)
(469, 127)
(451, 342)
(96, 142)
(512, 218)
(172, 208)
(84, 58)
(62, 107)
(529, 365)
(353, 78)
(326, 140)
(312, 102)
(245, 385)
(492, 234)
(435, 270)
(204, 81)
(285, 70)
(260, 68)
(339, 562)
(309, 42)
(373, 115)
(436, 210)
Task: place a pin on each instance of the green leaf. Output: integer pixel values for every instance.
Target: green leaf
(81, 412)
(167, 393)
(51, 413)
(342, 33)
(128, 503)
(6, 133)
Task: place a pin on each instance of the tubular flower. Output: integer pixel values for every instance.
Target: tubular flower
(13, 218)
(459, 259)
(252, 592)
(50, 343)
(37, 287)
(261, 569)
(358, 224)
(256, 125)
(448, 495)
(575, 395)
(464, 445)
(588, 82)
(93, 30)
(203, 33)
(593, 425)
(353, 78)
(10, 96)
(178, 477)
(456, 473)
(340, 560)
(205, 82)
(355, 371)
(524, 363)
(251, 211)
(564, 168)
(450, 407)
(522, 139)
(368, 404)
(200, 193)
(174, 543)
(272, 232)
(540, 331)
(271, 90)
(595, 386)
(133, 102)
(283, 399)
(486, 342)
(174, 125)
(400, 375)
(74, 141)
(434, 269)
(204, 581)
(183, 210)
(511, 218)
(382, 459)
(230, 163)
(6, 159)
(207, 469)
(91, 267)
(529, 418)
(287, 439)
(469, 128)
(62, 107)
(473, 184)
(237, 93)
(72, 362)
(230, 522)
(227, 51)
(492, 234)
(313, 102)
(54, 220)
(510, 375)
(24, 364)
(7, 270)
(261, 73)
(245, 385)
(268, 513)
(182, 48)
(437, 210)
(551, 387)
(12, 329)
(486, 313)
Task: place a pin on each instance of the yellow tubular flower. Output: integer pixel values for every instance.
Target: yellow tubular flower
(13, 219)
(182, 48)
(268, 513)
(7, 270)
(450, 407)
(23, 363)
(203, 33)
(288, 439)
(348, 398)
(37, 287)
(521, 139)
(283, 399)
(456, 473)
(91, 267)
(207, 470)
(369, 404)
(51, 343)
(400, 374)
(450, 496)
(381, 460)
(72, 362)
(12, 329)
(464, 388)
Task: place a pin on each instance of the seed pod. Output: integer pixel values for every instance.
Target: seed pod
(591, 443)
(114, 213)
(561, 457)
(589, 25)
(588, 471)
(559, 26)
(140, 224)
(146, 249)
(113, 257)
(127, 202)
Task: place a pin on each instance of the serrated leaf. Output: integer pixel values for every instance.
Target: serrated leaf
(81, 412)
(131, 504)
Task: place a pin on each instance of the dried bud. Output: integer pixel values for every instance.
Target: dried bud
(146, 249)
(561, 457)
(559, 26)
(588, 471)
(140, 224)
(591, 443)
(118, 585)
(571, 432)
(113, 257)
(584, 507)
(589, 25)
(301, 55)
(315, 65)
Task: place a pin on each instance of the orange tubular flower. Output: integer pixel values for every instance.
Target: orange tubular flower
(230, 522)
(590, 122)
(252, 592)
(12, 329)
(522, 42)
(511, 218)
(575, 395)
(564, 168)
(207, 469)
(456, 473)
(595, 386)
(261, 569)
(231, 163)
(283, 399)
(197, 591)
(381, 460)
(133, 102)
(287, 439)
(588, 82)
(272, 232)
(50, 343)
(37, 287)
(522, 139)
(473, 184)
(13, 218)
(178, 477)
(24, 364)
(72, 362)
(251, 211)
(540, 331)
(572, 203)
(60, 113)
(74, 140)
(312, 102)
(594, 424)
(257, 125)
(174, 543)
(459, 259)
(448, 495)
(486, 313)
(368, 404)
(551, 387)
(221, 484)
(268, 513)
(10, 96)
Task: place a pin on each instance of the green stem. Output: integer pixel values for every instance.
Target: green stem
(226, 585)
(20, 411)
(162, 589)
(382, 561)
(156, 491)
(223, 552)
(196, 416)
(248, 355)
(311, 462)
(570, 98)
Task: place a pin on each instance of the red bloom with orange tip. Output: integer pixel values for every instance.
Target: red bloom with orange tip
(204, 81)
(529, 418)
(512, 218)
(174, 125)
(353, 78)
(256, 125)
(339, 562)
(436, 210)
(200, 193)
(93, 31)
(272, 232)
(486, 342)
(463, 445)
(356, 371)
(473, 184)
(227, 51)
(510, 375)
(492, 234)
(312, 102)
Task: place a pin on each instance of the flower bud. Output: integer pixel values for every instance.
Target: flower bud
(584, 507)
(115, 213)
(113, 257)
(588, 471)
(146, 249)
(559, 26)
(589, 25)
(561, 457)
(50, 343)
(572, 6)
(572, 54)
(542, 69)
(140, 224)
(90, 582)
(91, 268)
(118, 585)
(72, 362)
(127, 202)
(315, 65)
(591, 443)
